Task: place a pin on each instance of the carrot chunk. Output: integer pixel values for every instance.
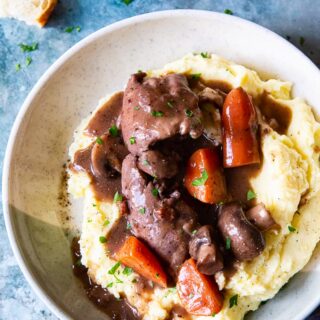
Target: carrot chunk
(240, 126)
(204, 177)
(198, 293)
(137, 256)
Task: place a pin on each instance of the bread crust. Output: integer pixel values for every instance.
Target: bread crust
(46, 12)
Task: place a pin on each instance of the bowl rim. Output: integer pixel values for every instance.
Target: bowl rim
(28, 274)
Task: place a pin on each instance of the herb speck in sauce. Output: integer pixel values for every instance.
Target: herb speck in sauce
(205, 55)
(291, 229)
(155, 192)
(157, 113)
(117, 197)
(103, 239)
(132, 140)
(114, 131)
(99, 140)
(233, 301)
(251, 195)
(195, 76)
(202, 180)
(228, 243)
(188, 113)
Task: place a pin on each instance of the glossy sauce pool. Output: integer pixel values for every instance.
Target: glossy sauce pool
(116, 309)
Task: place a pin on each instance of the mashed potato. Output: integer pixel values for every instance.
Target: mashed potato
(288, 184)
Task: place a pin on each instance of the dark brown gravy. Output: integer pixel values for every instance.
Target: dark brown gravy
(103, 187)
(197, 84)
(218, 84)
(179, 312)
(118, 234)
(276, 114)
(238, 181)
(106, 116)
(116, 309)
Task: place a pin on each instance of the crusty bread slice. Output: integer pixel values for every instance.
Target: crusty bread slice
(34, 12)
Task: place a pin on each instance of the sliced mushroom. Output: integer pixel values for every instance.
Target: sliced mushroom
(203, 249)
(215, 96)
(261, 218)
(244, 239)
(212, 128)
(107, 155)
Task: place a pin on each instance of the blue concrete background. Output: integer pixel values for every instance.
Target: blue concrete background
(298, 20)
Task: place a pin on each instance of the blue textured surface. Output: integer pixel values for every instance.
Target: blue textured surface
(295, 18)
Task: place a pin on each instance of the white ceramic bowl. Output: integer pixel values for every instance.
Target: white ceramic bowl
(71, 88)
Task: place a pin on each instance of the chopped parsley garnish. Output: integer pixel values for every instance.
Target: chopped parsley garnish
(220, 203)
(106, 223)
(170, 104)
(28, 48)
(228, 243)
(103, 239)
(28, 61)
(204, 55)
(114, 268)
(146, 162)
(72, 28)
(78, 263)
(127, 2)
(132, 140)
(194, 232)
(18, 67)
(117, 197)
(302, 41)
(94, 205)
(213, 315)
(114, 131)
(110, 285)
(188, 113)
(99, 140)
(170, 290)
(228, 11)
(89, 220)
(157, 113)
(157, 275)
(134, 281)
(136, 107)
(292, 229)
(128, 226)
(142, 210)
(202, 180)
(155, 192)
(69, 29)
(233, 301)
(251, 195)
(195, 76)
(127, 271)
